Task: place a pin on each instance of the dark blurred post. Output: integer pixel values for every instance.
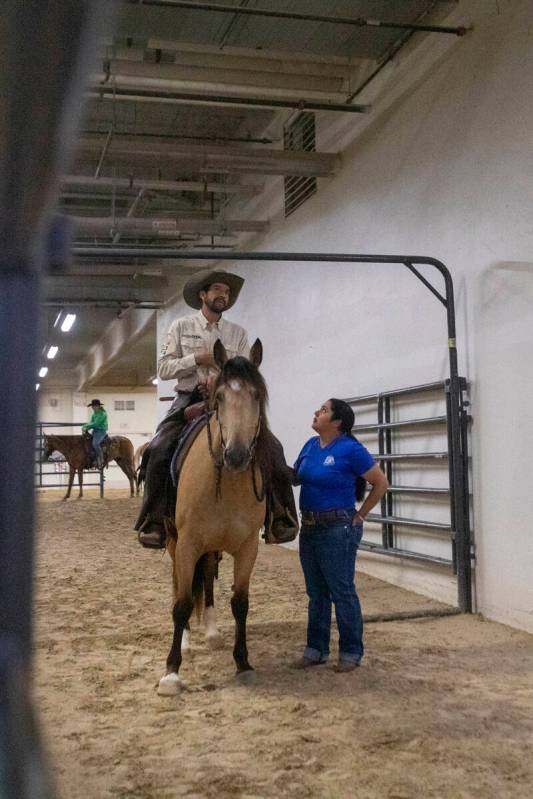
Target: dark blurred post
(45, 46)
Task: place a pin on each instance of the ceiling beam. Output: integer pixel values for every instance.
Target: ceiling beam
(163, 228)
(121, 335)
(263, 60)
(210, 158)
(109, 279)
(183, 77)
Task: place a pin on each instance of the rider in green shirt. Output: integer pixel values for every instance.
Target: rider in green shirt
(98, 424)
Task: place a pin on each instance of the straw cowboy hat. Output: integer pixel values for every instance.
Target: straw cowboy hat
(202, 280)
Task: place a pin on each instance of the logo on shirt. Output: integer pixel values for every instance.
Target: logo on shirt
(330, 460)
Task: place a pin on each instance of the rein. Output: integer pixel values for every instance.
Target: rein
(219, 460)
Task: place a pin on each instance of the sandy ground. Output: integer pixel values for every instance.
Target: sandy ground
(440, 708)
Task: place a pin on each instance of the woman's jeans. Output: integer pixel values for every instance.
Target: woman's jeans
(97, 438)
(327, 555)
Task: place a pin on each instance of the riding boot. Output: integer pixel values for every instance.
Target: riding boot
(159, 492)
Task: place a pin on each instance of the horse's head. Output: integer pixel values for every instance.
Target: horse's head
(239, 399)
(48, 447)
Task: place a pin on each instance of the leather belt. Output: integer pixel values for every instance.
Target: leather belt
(327, 516)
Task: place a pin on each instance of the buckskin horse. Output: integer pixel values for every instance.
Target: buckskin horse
(77, 451)
(220, 503)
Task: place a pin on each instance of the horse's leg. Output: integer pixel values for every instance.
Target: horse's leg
(244, 560)
(80, 481)
(129, 472)
(212, 636)
(72, 472)
(169, 684)
(171, 549)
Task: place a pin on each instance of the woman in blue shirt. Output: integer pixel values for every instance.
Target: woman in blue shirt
(327, 469)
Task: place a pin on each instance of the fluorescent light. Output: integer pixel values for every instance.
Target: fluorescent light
(155, 381)
(37, 386)
(68, 321)
(52, 352)
(43, 371)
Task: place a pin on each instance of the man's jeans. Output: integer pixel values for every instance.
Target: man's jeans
(327, 555)
(97, 438)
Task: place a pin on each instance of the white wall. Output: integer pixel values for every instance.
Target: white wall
(138, 425)
(447, 172)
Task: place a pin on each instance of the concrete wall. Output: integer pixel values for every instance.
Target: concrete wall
(446, 171)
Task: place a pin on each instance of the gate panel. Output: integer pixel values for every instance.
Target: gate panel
(410, 431)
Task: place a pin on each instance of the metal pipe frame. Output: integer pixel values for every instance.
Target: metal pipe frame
(135, 94)
(454, 386)
(263, 12)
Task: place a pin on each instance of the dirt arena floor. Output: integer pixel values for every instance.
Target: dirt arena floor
(440, 708)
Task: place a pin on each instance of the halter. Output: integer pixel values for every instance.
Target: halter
(219, 461)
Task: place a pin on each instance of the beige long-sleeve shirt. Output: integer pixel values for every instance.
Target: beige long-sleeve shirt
(194, 334)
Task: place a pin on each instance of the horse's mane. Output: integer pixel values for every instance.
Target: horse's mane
(240, 368)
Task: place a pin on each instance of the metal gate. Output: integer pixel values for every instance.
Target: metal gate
(49, 474)
(390, 437)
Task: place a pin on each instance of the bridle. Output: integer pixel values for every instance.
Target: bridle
(219, 460)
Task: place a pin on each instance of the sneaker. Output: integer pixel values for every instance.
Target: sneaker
(346, 665)
(306, 663)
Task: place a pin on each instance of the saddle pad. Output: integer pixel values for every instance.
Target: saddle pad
(185, 442)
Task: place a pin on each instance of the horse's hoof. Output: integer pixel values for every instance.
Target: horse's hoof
(215, 641)
(248, 677)
(169, 685)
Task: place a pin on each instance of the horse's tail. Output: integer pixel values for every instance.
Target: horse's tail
(141, 470)
(198, 586)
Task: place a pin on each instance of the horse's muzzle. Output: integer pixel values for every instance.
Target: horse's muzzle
(237, 459)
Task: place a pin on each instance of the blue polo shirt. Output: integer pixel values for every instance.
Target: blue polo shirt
(327, 474)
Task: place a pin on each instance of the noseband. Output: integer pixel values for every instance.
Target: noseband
(219, 461)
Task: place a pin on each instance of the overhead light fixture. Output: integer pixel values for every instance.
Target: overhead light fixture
(67, 322)
(37, 386)
(155, 381)
(43, 371)
(52, 352)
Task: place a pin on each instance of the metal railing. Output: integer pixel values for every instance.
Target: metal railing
(48, 469)
(388, 432)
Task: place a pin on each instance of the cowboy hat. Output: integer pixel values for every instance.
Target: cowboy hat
(202, 280)
(94, 402)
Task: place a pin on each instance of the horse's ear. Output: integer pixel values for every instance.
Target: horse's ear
(256, 353)
(220, 354)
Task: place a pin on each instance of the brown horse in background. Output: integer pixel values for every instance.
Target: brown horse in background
(77, 451)
(137, 458)
(220, 504)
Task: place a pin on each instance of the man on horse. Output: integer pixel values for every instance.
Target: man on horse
(98, 424)
(187, 357)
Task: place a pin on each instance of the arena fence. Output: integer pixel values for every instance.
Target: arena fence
(54, 473)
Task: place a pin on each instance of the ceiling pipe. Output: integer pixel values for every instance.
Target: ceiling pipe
(133, 184)
(184, 137)
(196, 98)
(264, 12)
(104, 152)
